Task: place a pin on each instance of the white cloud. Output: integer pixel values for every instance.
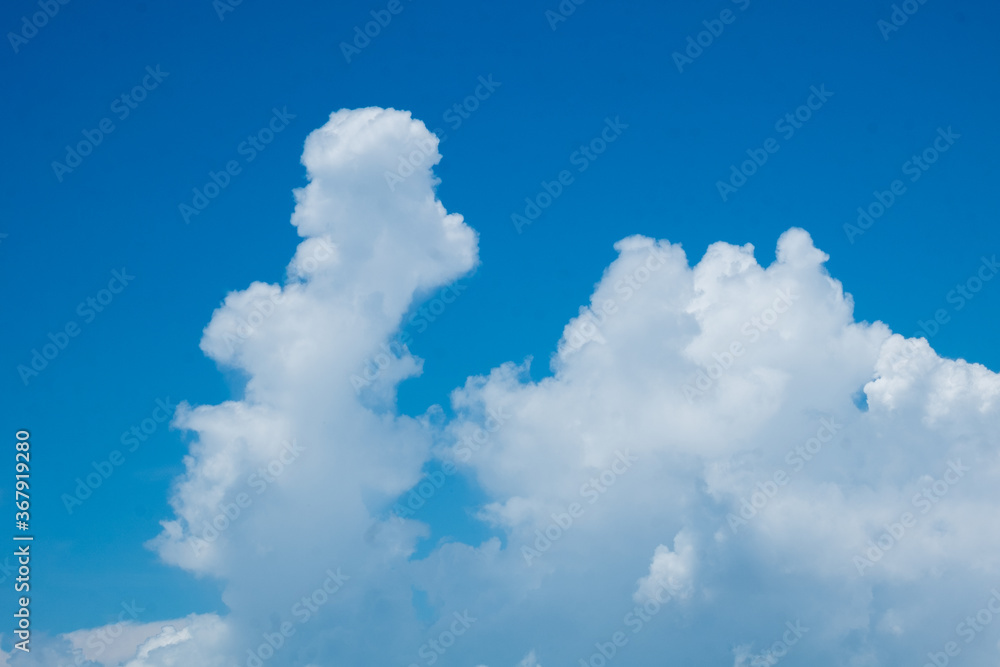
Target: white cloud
(366, 256)
(116, 643)
(175, 644)
(713, 382)
(671, 574)
(529, 661)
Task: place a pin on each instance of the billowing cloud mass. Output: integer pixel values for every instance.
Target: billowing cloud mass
(724, 467)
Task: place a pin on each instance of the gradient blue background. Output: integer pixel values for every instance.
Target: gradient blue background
(120, 207)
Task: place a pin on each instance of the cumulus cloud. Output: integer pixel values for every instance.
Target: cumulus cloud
(671, 572)
(116, 643)
(290, 480)
(708, 407)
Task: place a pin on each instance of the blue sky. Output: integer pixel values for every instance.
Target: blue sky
(225, 77)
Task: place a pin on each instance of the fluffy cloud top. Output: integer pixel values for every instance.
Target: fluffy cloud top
(709, 408)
